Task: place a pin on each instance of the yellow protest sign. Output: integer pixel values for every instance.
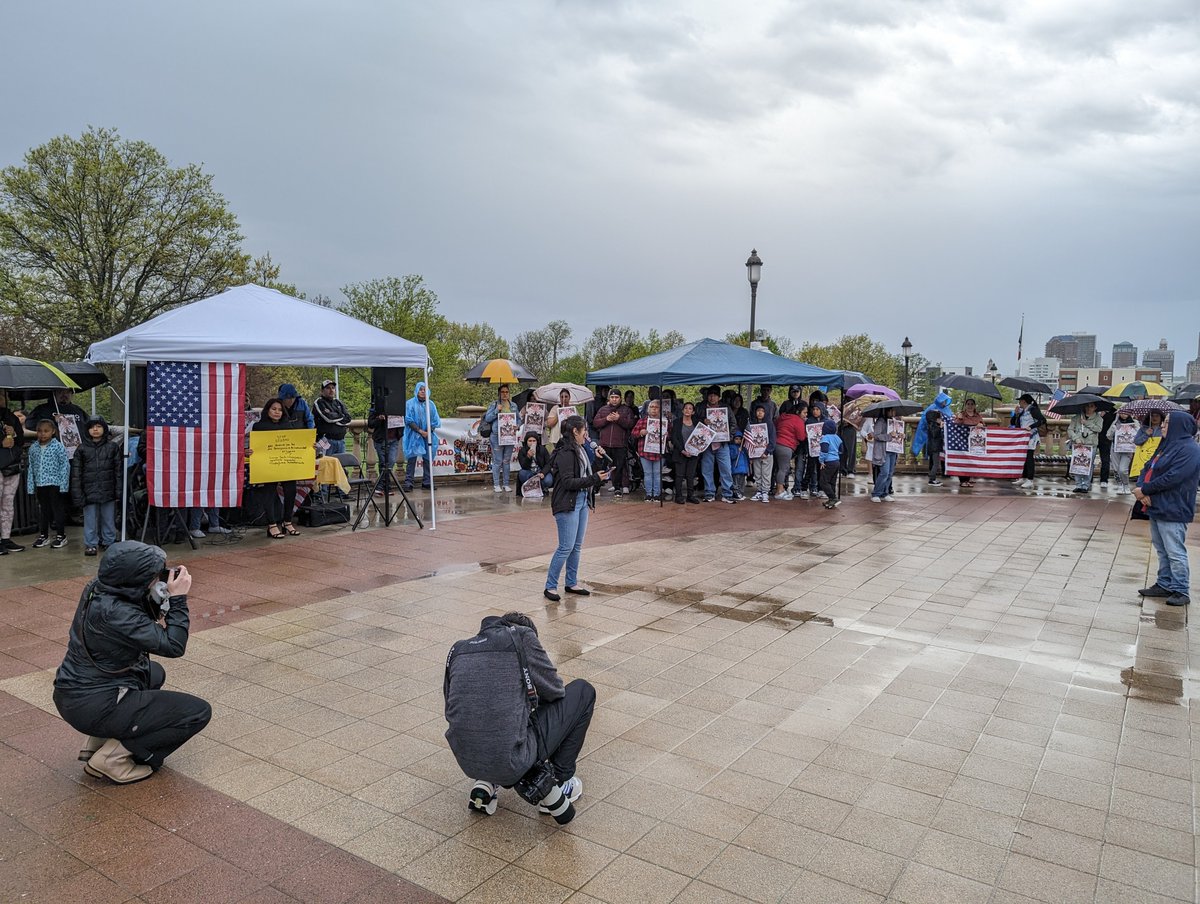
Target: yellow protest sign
(282, 455)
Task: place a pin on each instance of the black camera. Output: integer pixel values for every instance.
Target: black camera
(167, 574)
(539, 787)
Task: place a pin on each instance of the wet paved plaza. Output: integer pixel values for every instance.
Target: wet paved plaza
(953, 697)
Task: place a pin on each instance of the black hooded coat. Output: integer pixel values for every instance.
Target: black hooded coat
(115, 630)
(96, 467)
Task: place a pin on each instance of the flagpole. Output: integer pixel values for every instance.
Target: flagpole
(430, 450)
(125, 470)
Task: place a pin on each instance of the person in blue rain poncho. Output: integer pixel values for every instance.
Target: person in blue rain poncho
(941, 404)
(417, 436)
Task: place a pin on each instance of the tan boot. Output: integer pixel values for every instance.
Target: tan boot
(90, 746)
(115, 763)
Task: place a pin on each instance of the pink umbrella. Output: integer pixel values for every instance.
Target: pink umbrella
(871, 389)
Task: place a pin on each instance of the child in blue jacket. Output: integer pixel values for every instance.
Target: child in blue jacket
(831, 463)
(48, 478)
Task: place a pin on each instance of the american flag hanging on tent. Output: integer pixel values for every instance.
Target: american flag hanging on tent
(990, 452)
(194, 433)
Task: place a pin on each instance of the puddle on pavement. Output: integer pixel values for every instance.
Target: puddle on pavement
(759, 607)
(1153, 686)
(1168, 621)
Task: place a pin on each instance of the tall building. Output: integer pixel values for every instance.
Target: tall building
(1162, 359)
(1124, 354)
(1074, 350)
(1044, 370)
(1072, 379)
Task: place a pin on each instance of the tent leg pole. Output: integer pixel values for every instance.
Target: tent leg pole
(337, 382)
(93, 401)
(430, 451)
(125, 457)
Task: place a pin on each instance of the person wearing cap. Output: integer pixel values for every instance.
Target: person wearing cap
(295, 409)
(795, 403)
(332, 418)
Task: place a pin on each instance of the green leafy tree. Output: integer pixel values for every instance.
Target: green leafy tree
(98, 234)
(780, 345)
(476, 342)
(857, 352)
(263, 271)
(534, 350)
(558, 334)
(611, 344)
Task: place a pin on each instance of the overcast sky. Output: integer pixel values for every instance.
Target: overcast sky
(929, 169)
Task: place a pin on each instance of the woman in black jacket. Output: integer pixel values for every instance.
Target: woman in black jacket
(685, 465)
(107, 687)
(572, 496)
(532, 458)
(278, 512)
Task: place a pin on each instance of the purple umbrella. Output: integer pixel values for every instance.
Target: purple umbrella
(860, 389)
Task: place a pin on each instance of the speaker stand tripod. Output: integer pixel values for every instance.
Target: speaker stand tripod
(387, 484)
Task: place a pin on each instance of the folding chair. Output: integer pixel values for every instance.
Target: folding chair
(350, 462)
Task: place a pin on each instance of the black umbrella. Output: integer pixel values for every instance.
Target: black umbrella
(1074, 404)
(973, 385)
(897, 407)
(88, 376)
(1021, 384)
(1186, 393)
(1093, 390)
(26, 373)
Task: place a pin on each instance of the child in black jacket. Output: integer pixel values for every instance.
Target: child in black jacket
(96, 484)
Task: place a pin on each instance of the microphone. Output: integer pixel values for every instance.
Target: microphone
(597, 448)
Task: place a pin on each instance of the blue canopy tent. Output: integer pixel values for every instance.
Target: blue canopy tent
(709, 361)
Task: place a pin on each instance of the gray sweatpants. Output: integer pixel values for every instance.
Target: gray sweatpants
(1122, 462)
(761, 468)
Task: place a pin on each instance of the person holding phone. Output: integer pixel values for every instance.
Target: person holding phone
(572, 496)
(107, 687)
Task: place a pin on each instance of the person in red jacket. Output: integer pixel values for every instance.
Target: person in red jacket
(790, 435)
(614, 421)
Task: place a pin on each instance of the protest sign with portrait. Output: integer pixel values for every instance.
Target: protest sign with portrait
(814, 432)
(535, 417)
(701, 438)
(1123, 439)
(1081, 461)
(977, 444)
(895, 436)
(718, 420)
(754, 440)
(506, 428)
(653, 443)
(68, 433)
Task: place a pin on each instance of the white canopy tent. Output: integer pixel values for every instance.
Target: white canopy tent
(253, 325)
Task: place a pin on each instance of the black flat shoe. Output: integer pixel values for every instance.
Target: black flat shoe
(551, 595)
(579, 591)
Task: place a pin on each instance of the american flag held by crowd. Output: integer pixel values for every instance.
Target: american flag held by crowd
(1002, 456)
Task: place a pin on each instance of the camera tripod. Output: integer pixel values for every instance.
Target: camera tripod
(387, 484)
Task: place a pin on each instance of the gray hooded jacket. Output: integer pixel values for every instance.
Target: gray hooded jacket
(489, 730)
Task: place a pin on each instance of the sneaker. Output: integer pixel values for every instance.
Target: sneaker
(935, 483)
(90, 551)
(876, 499)
(710, 498)
(572, 789)
(1177, 599)
(889, 497)
(11, 546)
(803, 494)
(59, 542)
(786, 495)
(827, 505)
(197, 534)
(41, 541)
(738, 496)
(1122, 491)
(1155, 590)
(765, 498)
(729, 499)
(1025, 483)
(1104, 484)
(484, 797)
(1018, 481)
(1080, 490)
(507, 488)
(219, 530)
(496, 489)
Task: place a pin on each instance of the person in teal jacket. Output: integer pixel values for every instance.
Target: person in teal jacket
(418, 434)
(49, 478)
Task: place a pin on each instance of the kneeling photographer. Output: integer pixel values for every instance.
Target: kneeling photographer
(512, 723)
(107, 687)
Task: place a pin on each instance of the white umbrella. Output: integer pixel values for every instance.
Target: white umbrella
(551, 391)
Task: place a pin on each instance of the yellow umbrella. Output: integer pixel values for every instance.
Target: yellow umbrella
(499, 370)
(1138, 389)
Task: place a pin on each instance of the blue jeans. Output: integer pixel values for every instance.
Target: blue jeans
(387, 451)
(572, 526)
(103, 516)
(410, 469)
(652, 476)
(214, 518)
(501, 465)
(524, 474)
(1168, 538)
(721, 457)
(883, 483)
(336, 446)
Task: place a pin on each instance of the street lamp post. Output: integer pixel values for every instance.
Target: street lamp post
(753, 273)
(907, 346)
(993, 374)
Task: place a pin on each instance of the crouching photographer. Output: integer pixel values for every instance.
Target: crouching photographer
(107, 687)
(512, 723)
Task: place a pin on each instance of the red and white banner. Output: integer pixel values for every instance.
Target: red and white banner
(1001, 455)
(194, 433)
